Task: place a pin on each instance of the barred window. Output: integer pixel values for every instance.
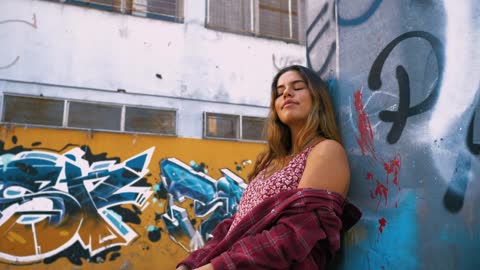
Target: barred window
(171, 10)
(252, 128)
(270, 18)
(32, 110)
(150, 120)
(94, 116)
(278, 18)
(230, 15)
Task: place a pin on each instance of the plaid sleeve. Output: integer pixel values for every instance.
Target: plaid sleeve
(290, 240)
(193, 260)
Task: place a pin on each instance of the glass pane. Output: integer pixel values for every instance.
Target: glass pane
(252, 128)
(222, 126)
(94, 116)
(28, 110)
(231, 15)
(150, 120)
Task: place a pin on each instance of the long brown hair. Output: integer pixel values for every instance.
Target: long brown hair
(320, 121)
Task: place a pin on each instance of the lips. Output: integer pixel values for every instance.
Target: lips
(289, 102)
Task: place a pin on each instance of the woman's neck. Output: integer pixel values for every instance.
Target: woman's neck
(297, 147)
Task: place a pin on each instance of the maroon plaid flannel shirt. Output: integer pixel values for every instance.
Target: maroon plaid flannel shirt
(296, 229)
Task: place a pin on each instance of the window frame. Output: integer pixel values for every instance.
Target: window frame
(255, 23)
(175, 119)
(66, 113)
(2, 116)
(133, 10)
(239, 135)
(205, 126)
(262, 131)
(95, 103)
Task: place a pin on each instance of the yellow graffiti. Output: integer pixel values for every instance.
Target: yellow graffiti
(45, 240)
(13, 237)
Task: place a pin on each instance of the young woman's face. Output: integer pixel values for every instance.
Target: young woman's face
(293, 102)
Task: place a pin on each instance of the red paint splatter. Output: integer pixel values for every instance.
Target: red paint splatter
(369, 176)
(382, 223)
(393, 166)
(366, 133)
(381, 190)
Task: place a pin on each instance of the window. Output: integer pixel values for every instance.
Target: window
(94, 116)
(171, 10)
(32, 110)
(270, 18)
(150, 120)
(222, 126)
(252, 128)
(230, 15)
(227, 126)
(87, 115)
(278, 18)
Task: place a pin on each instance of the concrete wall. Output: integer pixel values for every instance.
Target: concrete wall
(66, 51)
(73, 199)
(405, 88)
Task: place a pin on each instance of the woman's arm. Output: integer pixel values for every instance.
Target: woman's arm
(327, 168)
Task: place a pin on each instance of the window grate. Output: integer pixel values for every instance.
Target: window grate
(171, 10)
(270, 18)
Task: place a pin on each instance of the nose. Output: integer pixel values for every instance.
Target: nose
(288, 92)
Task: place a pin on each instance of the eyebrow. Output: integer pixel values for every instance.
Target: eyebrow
(294, 82)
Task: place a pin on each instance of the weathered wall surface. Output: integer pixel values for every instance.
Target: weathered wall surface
(98, 200)
(48, 42)
(406, 87)
(73, 199)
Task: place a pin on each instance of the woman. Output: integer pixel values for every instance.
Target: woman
(292, 213)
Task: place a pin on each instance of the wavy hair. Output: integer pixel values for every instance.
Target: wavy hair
(321, 121)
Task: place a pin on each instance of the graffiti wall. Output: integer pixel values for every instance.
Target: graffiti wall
(113, 201)
(406, 94)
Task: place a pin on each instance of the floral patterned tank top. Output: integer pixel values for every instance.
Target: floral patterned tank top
(262, 188)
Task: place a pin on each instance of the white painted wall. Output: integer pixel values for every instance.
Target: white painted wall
(85, 47)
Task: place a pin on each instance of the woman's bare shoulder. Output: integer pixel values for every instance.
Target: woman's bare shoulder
(327, 168)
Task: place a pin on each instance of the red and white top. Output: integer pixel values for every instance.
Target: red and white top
(260, 188)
